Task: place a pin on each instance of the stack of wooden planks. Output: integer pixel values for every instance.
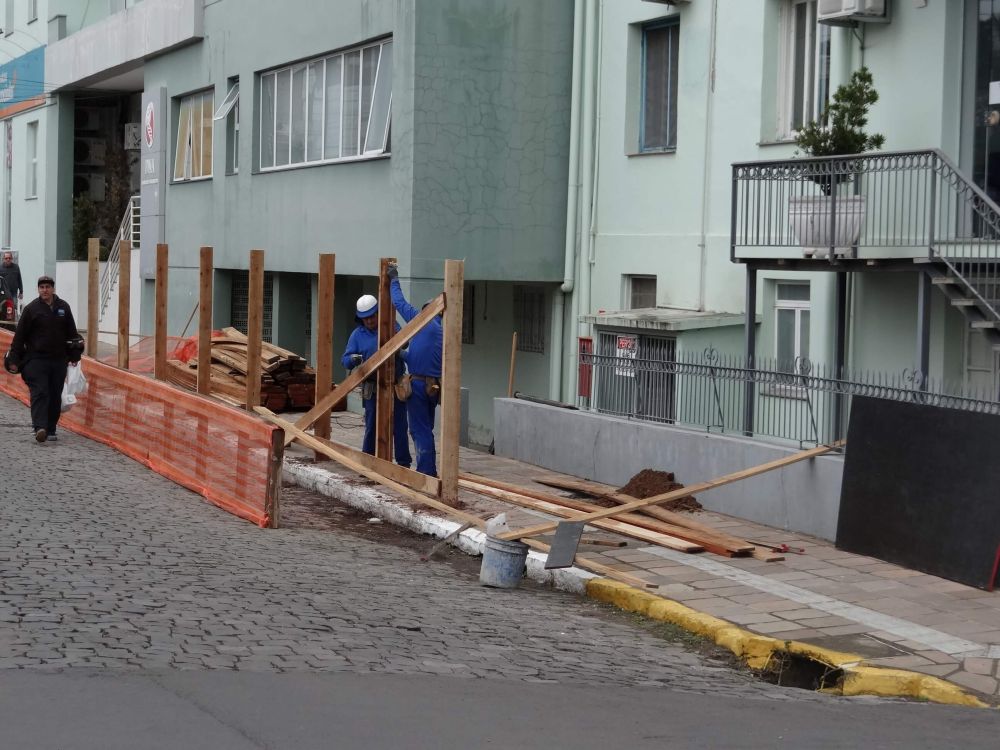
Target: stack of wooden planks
(677, 531)
(286, 382)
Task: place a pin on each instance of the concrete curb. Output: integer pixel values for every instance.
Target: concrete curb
(756, 650)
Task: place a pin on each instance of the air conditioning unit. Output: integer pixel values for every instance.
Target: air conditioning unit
(91, 185)
(89, 152)
(87, 118)
(850, 12)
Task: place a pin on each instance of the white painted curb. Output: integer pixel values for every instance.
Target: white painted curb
(370, 500)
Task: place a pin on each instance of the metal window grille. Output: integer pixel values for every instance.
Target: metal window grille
(241, 298)
(529, 318)
(469, 314)
(642, 292)
(659, 87)
(624, 388)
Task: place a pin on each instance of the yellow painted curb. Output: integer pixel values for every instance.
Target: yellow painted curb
(758, 650)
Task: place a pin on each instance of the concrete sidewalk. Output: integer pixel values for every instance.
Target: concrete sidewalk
(856, 612)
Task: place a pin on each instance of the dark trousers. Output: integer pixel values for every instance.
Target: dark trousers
(420, 408)
(401, 441)
(44, 378)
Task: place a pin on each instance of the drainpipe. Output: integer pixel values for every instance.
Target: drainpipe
(707, 161)
(587, 157)
(562, 344)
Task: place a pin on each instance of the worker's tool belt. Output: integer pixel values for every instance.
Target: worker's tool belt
(432, 386)
(403, 388)
(368, 389)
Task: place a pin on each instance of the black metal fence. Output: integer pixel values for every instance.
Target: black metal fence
(799, 402)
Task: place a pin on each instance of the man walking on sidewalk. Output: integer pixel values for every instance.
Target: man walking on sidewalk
(423, 360)
(45, 341)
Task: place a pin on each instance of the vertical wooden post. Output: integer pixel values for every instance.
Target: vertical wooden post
(255, 327)
(124, 300)
(451, 379)
(93, 293)
(272, 504)
(387, 372)
(160, 330)
(205, 279)
(324, 342)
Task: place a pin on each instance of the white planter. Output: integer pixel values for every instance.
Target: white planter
(809, 217)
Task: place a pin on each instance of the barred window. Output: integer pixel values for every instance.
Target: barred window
(529, 318)
(240, 298)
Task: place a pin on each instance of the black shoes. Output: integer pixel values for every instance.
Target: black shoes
(41, 435)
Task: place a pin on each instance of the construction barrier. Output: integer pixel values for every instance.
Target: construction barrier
(230, 457)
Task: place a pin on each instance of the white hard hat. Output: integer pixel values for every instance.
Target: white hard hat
(367, 306)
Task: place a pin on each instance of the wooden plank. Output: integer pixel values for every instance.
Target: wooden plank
(205, 273)
(93, 293)
(124, 300)
(352, 381)
(617, 527)
(309, 441)
(702, 487)
(451, 379)
(720, 544)
(272, 504)
(387, 372)
(160, 313)
(734, 544)
(255, 326)
(324, 342)
(412, 479)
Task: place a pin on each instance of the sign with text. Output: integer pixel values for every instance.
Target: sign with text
(626, 348)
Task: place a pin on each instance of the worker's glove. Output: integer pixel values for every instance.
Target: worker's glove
(356, 359)
(392, 271)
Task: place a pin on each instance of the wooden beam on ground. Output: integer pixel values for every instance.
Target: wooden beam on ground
(93, 293)
(205, 286)
(324, 341)
(387, 372)
(160, 313)
(612, 525)
(451, 379)
(352, 381)
(124, 300)
(317, 445)
(702, 487)
(412, 479)
(255, 327)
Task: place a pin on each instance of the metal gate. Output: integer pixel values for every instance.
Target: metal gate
(634, 376)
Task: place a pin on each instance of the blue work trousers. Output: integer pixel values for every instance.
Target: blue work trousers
(420, 408)
(401, 442)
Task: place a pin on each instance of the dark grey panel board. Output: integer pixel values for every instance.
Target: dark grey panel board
(921, 489)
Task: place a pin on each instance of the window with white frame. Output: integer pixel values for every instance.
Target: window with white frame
(32, 10)
(31, 190)
(193, 156)
(640, 292)
(324, 110)
(529, 318)
(229, 111)
(658, 116)
(804, 69)
(791, 324)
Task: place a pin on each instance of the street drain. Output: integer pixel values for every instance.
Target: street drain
(793, 670)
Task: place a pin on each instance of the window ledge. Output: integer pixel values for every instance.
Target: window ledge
(31, 197)
(658, 152)
(790, 141)
(325, 163)
(193, 179)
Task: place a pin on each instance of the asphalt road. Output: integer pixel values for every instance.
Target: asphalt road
(135, 615)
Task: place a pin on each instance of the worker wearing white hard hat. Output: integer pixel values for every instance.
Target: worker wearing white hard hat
(362, 344)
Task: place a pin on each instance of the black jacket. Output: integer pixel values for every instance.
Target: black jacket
(11, 276)
(43, 331)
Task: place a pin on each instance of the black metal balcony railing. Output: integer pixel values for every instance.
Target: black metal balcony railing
(874, 205)
(799, 402)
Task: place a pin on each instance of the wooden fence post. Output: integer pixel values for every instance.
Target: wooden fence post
(387, 373)
(205, 279)
(451, 379)
(160, 323)
(324, 343)
(255, 327)
(124, 300)
(93, 293)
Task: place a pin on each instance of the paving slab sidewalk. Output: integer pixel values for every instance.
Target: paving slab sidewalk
(890, 616)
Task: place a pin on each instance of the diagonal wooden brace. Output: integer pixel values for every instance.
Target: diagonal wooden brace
(397, 342)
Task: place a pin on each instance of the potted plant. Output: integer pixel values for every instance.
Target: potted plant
(842, 134)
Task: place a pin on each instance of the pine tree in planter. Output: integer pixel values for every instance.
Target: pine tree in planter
(843, 135)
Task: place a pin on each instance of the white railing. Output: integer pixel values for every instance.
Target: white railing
(128, 231)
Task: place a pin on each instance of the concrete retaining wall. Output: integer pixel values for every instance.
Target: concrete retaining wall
(804, 497)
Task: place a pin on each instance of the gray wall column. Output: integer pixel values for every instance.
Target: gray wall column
(750, 327)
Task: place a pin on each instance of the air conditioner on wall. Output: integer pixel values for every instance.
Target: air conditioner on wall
(91, 185)
(89, 152)
(849, 12)
(87, 118)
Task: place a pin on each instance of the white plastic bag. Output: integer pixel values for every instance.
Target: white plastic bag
(497, 525)
(75, 384)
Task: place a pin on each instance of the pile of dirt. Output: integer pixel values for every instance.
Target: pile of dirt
(649, 482)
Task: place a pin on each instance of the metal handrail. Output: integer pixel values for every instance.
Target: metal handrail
(128, 231)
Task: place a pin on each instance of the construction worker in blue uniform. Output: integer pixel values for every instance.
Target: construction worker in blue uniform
(424, 363)
(362, 344)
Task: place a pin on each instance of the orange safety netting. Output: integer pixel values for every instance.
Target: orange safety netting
(219, 452)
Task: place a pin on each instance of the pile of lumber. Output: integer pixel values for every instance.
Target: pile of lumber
(650, 524)
(286, 383)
